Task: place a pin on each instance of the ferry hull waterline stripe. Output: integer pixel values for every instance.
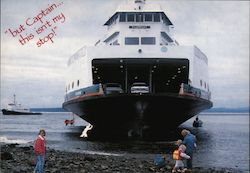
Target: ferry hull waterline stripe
(137, 81)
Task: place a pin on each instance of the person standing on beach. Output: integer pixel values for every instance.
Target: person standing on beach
(40, 151)
(190, 142)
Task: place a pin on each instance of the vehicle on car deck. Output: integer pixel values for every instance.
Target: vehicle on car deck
(113, 88)
(139, 87)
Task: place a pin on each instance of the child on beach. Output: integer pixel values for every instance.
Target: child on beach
(39, 147)
(178, 156)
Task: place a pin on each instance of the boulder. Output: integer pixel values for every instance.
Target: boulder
(6, 156)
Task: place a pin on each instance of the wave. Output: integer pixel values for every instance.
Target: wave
(4, 139)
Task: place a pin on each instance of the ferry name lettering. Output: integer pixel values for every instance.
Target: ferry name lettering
(139, 27)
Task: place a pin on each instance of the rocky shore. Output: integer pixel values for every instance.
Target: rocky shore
(17, 159)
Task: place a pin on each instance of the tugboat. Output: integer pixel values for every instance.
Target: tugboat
(137, 79)
(17, 109)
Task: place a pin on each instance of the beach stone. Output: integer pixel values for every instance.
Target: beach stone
(140, 166)
(12, 145)
(82, 171)
(31, 162)
(26, 148)
(88, 158)
(104, 167)
(76, 163)
(19, 170)
(6, 156)
(55, 170)
(151, 169)
(168, 167)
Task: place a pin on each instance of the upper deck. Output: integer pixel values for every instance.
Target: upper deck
(138, 30)
(138, 22)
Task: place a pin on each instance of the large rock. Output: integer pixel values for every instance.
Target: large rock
(88, 158)
(6, 156)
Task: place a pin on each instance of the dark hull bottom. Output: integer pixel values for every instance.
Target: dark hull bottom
(136, 115)
(7, 112)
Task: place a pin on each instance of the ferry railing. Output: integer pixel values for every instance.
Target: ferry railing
(96, 89)
(189, 90)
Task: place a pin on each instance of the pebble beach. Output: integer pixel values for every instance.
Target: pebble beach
(21, 159)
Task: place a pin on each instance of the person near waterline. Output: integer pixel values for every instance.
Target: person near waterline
(179, 156)
(190, 142)
(40, 148)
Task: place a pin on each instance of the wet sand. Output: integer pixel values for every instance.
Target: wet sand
(21, 159)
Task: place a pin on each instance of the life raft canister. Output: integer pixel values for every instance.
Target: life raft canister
(177, 155)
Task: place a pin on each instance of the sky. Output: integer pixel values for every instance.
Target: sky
(34, 69)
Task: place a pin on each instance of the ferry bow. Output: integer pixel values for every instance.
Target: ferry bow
(137, 79)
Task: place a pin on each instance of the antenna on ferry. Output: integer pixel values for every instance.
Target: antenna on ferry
(136, 1)
(14, 98)
(139, 3)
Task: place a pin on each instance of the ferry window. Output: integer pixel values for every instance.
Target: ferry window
(131, 40)
(115, 42)
(201, 82)
(123, 17)
(131, 17)
(205, 85)
(69, 87)
(72, 85)
(148, 40)
(148, 17)
(157, 17)
(139, 17)
(78, 82)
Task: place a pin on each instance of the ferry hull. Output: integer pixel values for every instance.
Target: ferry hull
(135, 114)
(8, 112)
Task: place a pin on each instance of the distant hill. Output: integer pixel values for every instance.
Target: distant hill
(48, 110)
(229, 110)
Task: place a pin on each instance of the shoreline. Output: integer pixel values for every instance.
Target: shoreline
(16, 158)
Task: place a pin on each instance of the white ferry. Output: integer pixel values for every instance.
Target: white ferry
(137, 79)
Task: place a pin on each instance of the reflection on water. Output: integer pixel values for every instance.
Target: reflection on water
(219, 140)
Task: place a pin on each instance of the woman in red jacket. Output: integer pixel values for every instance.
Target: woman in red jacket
(40, 151)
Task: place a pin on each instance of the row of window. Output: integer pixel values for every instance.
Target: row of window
(72, 85)
(206, 86)
(139, 17)
(136, 40)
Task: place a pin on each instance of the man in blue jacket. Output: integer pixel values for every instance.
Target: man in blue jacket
(190, 142)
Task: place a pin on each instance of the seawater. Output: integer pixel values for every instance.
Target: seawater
(223, 140)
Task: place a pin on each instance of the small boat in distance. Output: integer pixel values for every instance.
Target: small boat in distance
(17, 109)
